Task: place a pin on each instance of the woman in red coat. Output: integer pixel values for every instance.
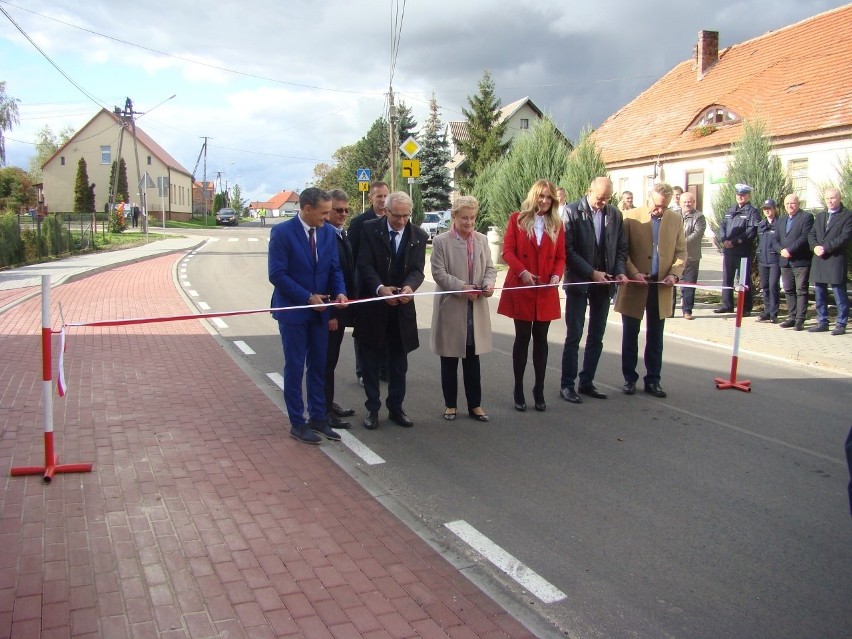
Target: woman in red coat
(534, 249)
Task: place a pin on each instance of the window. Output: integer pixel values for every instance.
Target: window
(623, 185)
(798, 172)
(525, 123)
(149, 160)
(106, 155)
(62, 160)
(713, 117)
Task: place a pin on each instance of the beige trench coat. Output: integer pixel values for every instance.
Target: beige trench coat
(449, 312)
(632, 298)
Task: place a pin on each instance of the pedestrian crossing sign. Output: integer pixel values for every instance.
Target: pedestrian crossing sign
(363, 175)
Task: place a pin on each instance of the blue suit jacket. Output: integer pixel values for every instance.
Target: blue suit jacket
(293, 273)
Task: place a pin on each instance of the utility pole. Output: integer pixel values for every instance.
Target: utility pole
(392, 121)
(204, 183)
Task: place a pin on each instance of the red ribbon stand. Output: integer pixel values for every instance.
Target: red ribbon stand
(742, 385)
(51, 461)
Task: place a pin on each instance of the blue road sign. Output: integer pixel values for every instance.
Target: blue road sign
(363, 175)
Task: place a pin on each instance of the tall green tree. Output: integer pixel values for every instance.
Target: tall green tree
(16, 189)
(434, 155)
(122, 191)
(47, 143)
(406, 125)
(8, 118)
(585, 163)
(504, 184)
(238, 203)
(753, 163)
(83, 191)
(485, 133)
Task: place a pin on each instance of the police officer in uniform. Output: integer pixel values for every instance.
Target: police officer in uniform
(736, 236)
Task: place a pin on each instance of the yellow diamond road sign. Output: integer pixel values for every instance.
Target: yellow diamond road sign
(410, 147)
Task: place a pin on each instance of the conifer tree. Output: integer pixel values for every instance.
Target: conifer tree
(406, 125)
(485, 133)
(584, 164)
(121, 190)
(434, 156)
(82, 190)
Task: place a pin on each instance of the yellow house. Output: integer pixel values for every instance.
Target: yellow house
(98, 143)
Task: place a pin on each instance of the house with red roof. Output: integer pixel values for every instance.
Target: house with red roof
(98, 142)
(680, 130)
(282, 204)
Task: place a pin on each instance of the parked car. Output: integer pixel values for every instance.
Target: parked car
(227, 216)
(434, 222)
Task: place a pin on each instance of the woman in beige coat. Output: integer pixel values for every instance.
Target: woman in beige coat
(461, 322)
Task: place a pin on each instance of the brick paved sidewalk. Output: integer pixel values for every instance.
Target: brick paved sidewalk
(202, 517)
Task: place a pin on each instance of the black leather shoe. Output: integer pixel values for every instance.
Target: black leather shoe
(335, 422)
(763, 317)
(629, 388)
(819, 328)
(655, 390)
(538, 400)
(591, 391)
(401, 418)
(570, 395)
(788, 323)
(520, 402)
(723, 310)
(341, 412)
(322, 428)
(839, 329)
(800, 326)
(371, 421)
(480, 417)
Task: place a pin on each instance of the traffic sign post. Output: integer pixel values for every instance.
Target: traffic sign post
(410, 147)
(411, 169)
(363, 175)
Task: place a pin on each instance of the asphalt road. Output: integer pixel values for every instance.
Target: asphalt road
(707, 514)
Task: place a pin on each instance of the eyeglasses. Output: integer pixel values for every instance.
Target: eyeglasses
(342, 211)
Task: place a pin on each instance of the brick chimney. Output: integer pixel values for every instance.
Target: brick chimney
(707, 51)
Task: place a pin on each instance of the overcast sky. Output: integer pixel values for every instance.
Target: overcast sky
(279, 85)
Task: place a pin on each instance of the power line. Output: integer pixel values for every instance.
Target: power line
(177, 57)
(47, 57)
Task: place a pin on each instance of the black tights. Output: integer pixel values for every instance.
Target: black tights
(520, 352)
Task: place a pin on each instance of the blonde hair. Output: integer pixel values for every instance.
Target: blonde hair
(552, 221)
(464, 202)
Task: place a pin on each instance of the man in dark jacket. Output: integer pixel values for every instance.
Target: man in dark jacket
(339, 318)
(736, 235)
(378, 195)
(391, 260)
(794, 258)
(768, 249)
(596, 250)
(828, 239)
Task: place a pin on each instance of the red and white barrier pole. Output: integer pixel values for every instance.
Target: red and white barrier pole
(51, 465)
(744, 385)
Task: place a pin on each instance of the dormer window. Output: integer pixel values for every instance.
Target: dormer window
(715, 115)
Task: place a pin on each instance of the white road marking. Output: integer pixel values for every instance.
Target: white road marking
(245, 348)
(186, 283)
(355, 445)
(213, 239)
(218, 322)
(233, 239)
(252, 239)
(204, 306)
(277, 378)
(525, 576)
(193, 293)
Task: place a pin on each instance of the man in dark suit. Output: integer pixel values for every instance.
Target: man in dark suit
(794, 258)
(391, 259)
(378, 196)
(829, 238)
(305, 270)
(596, 250)
(340, 318)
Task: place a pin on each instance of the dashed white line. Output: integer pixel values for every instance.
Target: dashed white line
(218, 322)
(204, 306)
(186, 283)
(213, 239)
(525, 576)
(233, 239)
(252, 239)
(277, 378)
(193, 293)
(245, 348)
(355, 445)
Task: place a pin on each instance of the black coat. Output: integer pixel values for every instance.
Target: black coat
(796, 240)
(768, 246)
(581, 244)
(346, 315)
(375, 269)
(355, 227)
(831, 267)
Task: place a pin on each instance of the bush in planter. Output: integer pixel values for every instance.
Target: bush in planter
(57, 238)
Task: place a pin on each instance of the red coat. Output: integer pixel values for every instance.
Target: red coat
(521, 253)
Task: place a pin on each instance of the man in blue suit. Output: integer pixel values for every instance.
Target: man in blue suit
(304, 268)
